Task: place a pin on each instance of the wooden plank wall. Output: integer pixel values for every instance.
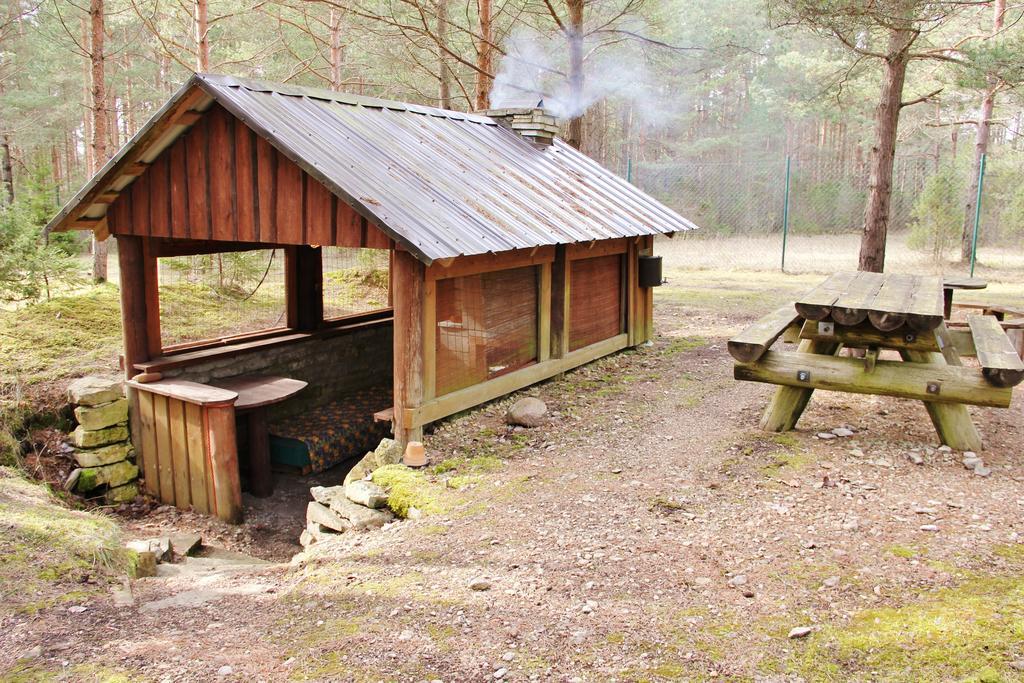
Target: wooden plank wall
(221, 181)
(184, 463)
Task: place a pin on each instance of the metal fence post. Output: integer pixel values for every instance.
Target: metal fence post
(629, 169)
(977, 213)
(785, 215)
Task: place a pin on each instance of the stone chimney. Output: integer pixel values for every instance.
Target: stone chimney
(533, 123)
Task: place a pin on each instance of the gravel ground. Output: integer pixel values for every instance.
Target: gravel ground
(649, 531)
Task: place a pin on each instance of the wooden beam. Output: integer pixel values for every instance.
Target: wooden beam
(921, 381)
(86, 223)
(175, 247)
(131, 263)
(597, 248)
(463, 399)
(756, 339)
(408, 341)
(865, 335)
(486, 263)
(188, 118)
(135, 169)
(106, 198)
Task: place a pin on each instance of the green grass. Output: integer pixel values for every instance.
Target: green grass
(50, 554)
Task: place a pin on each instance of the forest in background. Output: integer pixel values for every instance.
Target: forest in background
(672, 89)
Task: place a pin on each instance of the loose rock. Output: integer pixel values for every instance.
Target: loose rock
(480, 585)
(842, 431)
(527, 412)
(366, 493)
(92, 391)
(800, 632)
(102, 416)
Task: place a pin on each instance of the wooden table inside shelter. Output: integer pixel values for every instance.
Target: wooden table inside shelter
(255, 393)
(876, 312)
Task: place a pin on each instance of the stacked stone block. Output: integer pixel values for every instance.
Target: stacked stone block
(103, 448)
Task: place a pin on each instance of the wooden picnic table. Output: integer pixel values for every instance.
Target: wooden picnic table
(876, 312)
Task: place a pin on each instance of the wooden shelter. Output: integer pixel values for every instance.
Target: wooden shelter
(513, 258)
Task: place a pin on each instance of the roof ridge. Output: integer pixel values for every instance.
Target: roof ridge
(288, 89)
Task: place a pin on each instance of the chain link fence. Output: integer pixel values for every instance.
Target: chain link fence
(805, 213)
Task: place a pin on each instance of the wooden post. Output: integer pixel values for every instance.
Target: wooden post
(788, 403)
(560, 304)
(222, 450)
(647, 295)
(261, 479)
(632, 288)
(304, 281)
(135, 326)
(409, 276)
(544, 313)
(429, 339)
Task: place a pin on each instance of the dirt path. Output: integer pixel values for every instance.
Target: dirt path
(649, 532)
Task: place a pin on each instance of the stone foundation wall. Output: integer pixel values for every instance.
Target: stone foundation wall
(331, 365)
(106, 461)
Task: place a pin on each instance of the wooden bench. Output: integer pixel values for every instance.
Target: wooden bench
(999, 360)
(1012, 325)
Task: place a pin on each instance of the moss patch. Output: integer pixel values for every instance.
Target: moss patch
(408, 488)
(49, 551)
(970, 632)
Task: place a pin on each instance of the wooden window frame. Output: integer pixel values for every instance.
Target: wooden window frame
(228, 345)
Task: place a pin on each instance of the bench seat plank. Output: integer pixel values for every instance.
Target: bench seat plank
(751, 343)
(999, 361)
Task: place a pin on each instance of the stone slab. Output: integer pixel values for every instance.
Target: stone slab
(107, 455)
(92, 391)
(321, 514)
(102, 416)
(112, 475)
(92, 438)
(366, 493)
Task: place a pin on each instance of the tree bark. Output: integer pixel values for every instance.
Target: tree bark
(202, 44)
(887, 117)
(485, 56)
(336, 50)
(574, 35)
(99, 120)
(444, 74)
(5, 166)
(983, 131)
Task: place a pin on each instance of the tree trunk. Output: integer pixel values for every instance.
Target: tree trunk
(485, 57)
(202, 44)
(983, 133)
(574, 34)
(444, 74)
(99, 121)
(5, 167)
(887, 117)
(336, 50)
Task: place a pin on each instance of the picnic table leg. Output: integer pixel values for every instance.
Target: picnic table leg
(952, 421)
(788, 403)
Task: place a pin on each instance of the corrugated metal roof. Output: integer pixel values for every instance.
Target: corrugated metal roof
(443, 183)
